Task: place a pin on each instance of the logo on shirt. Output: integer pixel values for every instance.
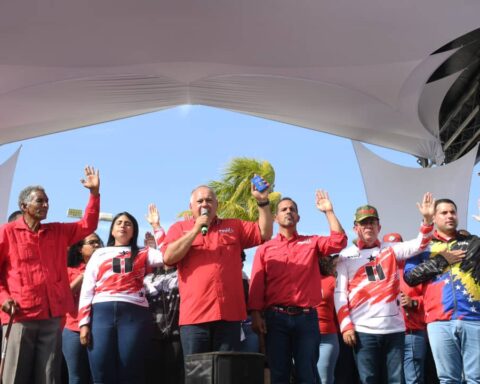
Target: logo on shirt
(354, 256)
(463, 245)
(120, 265)
(308, 241)
(226, 230)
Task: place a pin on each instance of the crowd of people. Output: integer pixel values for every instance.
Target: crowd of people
(320, 311)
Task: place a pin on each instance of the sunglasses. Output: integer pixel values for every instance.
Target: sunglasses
(92, 242)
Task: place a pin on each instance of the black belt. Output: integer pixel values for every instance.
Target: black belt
(291, 310)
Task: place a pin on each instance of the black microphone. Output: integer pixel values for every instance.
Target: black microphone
(204, 229)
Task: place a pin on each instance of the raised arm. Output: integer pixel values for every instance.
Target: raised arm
(153, 218)
(89, 222)
(409, 248)
(324, 205)
(427, 208)
(265, 218)
(91, 180)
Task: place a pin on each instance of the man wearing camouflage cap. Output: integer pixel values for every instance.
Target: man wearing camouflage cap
(367, 290)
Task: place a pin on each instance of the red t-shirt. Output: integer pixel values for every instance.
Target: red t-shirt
(414, 316)
(210, 274)
(327, 316)
(286, 272)
(71, 319)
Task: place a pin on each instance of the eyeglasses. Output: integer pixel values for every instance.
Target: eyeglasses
(368, 221)
(92, 242)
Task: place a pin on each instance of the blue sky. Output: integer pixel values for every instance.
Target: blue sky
(161, 156)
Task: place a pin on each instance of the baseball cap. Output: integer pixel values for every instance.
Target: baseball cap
(364, 212)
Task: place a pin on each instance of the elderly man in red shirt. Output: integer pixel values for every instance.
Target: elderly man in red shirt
(210, 270)
(286, 287)
(34, 283)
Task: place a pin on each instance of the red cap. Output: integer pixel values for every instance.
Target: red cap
(392, 238)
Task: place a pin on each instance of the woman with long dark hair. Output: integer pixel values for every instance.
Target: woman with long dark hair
(115, 320)
(75, 354)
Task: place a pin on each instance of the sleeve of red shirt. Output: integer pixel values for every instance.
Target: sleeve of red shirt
(87, 224)
(4, 293)
(159, 234)
(251, 235)
(256, 295)
(174, 233)
(72, 273)
(328, 245)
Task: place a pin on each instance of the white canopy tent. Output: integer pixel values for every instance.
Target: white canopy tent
(394, 190)
(354, 69)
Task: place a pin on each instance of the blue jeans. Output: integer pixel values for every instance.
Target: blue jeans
(76, 358)
(456, 349)
(372, 350)
(414, 357)
(251, 342)
(210, 337)
(296, 337)
(120, 338)
(329, 350)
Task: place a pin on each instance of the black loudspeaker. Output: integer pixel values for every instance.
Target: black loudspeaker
(224, 368)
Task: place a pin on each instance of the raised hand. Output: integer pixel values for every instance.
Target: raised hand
(153, 216)
(91, 180)
(260, 196)
(322, 201)
(427, 207)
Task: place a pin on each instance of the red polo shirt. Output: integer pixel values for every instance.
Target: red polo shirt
(286, 272)
(33, 265)
(210, 274)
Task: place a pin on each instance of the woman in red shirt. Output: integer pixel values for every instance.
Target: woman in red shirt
(75, 354)
(327, 321)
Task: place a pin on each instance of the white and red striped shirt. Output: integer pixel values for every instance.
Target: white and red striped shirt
(110, 276)
(368, 285)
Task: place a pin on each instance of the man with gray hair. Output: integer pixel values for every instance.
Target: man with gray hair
(34, 287)
(206, 250)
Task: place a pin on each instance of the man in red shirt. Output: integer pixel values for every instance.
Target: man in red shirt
(286, 286)
(34, 282)
(210, 270)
